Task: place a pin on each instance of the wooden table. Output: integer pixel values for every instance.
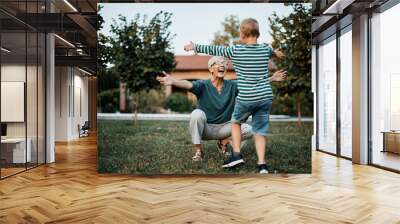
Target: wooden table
(13, 150)
(391, 141)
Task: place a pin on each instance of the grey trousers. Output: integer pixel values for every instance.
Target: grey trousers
(200, 130)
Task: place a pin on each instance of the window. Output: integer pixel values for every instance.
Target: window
(385, 88)
(346, 93)
(327, 95)
(22, 88)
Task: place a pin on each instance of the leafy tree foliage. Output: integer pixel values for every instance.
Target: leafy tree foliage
(230, 35)
(292, 34)
(141, 50)
(136, 52)
(106, 77)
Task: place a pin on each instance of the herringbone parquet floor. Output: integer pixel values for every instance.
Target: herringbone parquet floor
(70, 191)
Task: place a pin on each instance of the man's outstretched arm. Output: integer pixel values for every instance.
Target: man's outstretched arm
(168, 80)
(278, 76)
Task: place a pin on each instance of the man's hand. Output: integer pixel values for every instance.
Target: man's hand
(189, 47)
(279, 54)
(167, 80)
(278, 76)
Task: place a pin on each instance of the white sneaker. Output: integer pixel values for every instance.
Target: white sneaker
(262, 169)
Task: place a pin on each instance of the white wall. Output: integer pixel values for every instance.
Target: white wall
(80, 110)
(71, 94)
(33, 126)
(13, 73)
(16, 73)
(62, 82)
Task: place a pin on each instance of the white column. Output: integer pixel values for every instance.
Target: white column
(50, 110)
(360, 90)
(50, 92)
(314, 91)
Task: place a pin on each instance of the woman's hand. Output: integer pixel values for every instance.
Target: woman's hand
(278, 76)
(167, 80)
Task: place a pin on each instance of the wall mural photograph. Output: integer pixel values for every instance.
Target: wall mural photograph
(183, 94)
(163, 111)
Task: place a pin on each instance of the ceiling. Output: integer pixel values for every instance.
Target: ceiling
(74, 22)
(330, 15)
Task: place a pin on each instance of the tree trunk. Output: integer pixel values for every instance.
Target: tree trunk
(298, 110)
(136, 109)
(122, 97)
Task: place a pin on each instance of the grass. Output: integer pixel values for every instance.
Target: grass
(164, 147)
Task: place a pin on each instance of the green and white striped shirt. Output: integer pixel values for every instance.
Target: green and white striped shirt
(251, 66)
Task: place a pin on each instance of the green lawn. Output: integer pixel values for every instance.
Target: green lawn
(164, 147)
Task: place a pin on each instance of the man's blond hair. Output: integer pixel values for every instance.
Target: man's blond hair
(249, 28)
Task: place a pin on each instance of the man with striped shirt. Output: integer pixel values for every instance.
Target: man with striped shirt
(250, 61)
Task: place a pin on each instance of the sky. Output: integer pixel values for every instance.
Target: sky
(196, 22)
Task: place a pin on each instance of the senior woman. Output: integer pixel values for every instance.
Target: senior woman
(215, 102)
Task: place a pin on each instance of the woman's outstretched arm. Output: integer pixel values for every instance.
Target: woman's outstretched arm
(168, 80)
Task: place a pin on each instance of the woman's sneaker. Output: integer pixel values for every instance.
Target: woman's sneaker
(197, 156)
(233, 161)
(222, 147)
(262, 168)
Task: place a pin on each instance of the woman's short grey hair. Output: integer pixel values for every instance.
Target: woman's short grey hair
(217, 59)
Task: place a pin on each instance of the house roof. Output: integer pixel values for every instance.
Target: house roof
(194, 62)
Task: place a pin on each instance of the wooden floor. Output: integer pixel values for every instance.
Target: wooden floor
(387, 159)
(70, 191)
(10, 171)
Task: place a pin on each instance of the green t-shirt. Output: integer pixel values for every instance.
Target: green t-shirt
(218, 107)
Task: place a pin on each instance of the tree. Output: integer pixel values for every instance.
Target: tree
(292, 34)
(142, 50)
(108, 81)
(103, 47)
(230, 35)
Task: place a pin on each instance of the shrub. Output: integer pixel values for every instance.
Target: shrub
(108, 100)
(178, 102)
(150, 101)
